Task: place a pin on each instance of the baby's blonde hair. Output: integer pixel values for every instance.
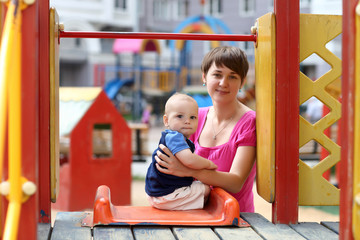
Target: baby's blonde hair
(175, 98)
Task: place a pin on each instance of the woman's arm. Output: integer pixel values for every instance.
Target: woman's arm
(231, 181)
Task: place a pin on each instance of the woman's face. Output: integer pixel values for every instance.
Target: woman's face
(223, 84)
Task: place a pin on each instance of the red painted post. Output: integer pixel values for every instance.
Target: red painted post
(347, 119)
(30, 111)
(285, 206)
(44, 114)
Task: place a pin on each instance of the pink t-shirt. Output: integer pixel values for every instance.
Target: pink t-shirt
(243, 134)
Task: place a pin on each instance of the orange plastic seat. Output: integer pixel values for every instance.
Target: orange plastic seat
(221, 210)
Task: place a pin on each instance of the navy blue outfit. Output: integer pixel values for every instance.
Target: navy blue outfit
(160, 184)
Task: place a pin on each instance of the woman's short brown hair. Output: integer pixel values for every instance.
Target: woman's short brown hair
(231, 57)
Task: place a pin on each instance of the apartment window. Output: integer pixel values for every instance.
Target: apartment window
(181, 9)
(161, 9)
(121, 4)
(215, 7)
(141, 7)
(305, 3)
(248, 48)
(271, 5)
(247, 7)
(77, 42)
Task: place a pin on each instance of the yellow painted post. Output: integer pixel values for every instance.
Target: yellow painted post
(315, 32)
(1, 20)
(356, 183)
(3, 102)
(11, 48)
(265, 106)
(5, 50)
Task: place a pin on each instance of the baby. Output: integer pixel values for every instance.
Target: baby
(171, 192)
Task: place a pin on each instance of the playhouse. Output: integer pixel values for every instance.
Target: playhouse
(95, 145)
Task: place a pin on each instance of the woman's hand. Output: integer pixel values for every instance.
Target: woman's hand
(170, 164)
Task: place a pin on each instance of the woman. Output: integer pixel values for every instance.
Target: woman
(226, 131)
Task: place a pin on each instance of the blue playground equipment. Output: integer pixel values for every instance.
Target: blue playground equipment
(113, 87)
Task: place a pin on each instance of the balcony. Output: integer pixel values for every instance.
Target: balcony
(105, 12)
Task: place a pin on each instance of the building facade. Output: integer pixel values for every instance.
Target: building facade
(79, 56)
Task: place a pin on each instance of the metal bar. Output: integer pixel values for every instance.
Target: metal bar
(164, 36)
(285, 206)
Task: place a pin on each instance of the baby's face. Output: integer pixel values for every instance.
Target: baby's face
(183, 118)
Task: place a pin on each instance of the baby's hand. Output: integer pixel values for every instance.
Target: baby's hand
(211, 166)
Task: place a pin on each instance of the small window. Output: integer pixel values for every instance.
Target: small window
(181, 9)
(141, 8)
(305, 3)
(248, 48)
(121, 4)
(271, 5)
(215, 7)
(102, 141)
(247, 7)
(161, 10)
(77, 42)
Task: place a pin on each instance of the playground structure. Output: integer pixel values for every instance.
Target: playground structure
(280, 181)
(130, 82)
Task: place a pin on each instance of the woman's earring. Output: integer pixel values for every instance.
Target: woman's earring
(204, 84)
(240, 90)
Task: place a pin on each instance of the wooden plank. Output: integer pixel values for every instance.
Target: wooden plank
(268, 230)
(112, 233)
(68, 227)
(153, 233)
(237, 233)
(265, 72)
(334, 226)
(194, 233)
(43, 231)
(311, 230)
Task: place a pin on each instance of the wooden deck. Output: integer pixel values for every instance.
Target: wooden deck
(68, 226)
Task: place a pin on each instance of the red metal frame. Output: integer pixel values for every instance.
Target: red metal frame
(285, 206)
(169, 36)
(347, 132)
